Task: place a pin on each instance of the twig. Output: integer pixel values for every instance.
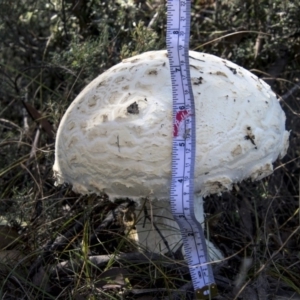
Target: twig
(186, 290)
(12, 124)
(155, 17)
(25, 113)
(35, 143)
(230, 34)
(241, 276)
(258, 45)
(290, 92)
(126, 258)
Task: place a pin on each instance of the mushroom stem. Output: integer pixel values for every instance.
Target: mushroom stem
(158, 232)
(198, 208)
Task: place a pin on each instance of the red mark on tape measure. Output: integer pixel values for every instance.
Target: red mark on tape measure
(181, 115)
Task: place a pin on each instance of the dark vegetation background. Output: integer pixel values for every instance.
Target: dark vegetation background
(49, 50)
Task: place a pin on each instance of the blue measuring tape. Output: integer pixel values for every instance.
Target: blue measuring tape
(183, 150)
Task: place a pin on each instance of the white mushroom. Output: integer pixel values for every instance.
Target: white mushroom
(116, 136)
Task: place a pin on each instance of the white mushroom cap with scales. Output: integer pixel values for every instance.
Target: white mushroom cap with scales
(116, 137)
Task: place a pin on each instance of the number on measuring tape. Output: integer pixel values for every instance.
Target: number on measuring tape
(183, 149)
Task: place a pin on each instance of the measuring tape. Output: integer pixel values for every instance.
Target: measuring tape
(183, 151)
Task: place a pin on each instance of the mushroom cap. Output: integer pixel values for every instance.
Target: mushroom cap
(116, 136)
